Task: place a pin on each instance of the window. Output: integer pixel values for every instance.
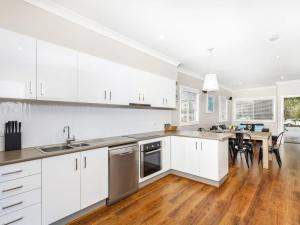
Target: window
(254, 109)
(189, 106)
(223, 109)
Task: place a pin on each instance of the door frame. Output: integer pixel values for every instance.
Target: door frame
(280, 125)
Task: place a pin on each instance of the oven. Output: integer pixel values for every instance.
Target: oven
(150, 158)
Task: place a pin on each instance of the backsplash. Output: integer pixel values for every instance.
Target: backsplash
(42, 123)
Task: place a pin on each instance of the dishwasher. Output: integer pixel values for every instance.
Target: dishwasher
(123, 172)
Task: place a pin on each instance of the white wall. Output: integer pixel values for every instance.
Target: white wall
(42, 123)
(206, 120)
(258, 93)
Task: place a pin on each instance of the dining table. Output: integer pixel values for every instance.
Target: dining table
(265, 137)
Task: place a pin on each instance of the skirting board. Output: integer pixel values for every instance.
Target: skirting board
(185, 175)
(80, 213)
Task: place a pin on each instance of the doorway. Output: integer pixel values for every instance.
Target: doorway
(291, 120)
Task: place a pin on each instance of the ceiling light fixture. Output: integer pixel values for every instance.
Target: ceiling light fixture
(281, 77)
(274, 37)
(210, 80)
(161, 37)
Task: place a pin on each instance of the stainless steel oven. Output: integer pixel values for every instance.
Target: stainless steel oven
(150, 158)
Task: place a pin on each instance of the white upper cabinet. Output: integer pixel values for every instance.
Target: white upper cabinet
(92, 79)
(56, 73)
(34, 69)
(102, 81)
(17, 66)
(165, 93)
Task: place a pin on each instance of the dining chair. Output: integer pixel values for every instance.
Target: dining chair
(274, 148)
(242, 147)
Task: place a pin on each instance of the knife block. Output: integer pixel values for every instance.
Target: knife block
(13, 141)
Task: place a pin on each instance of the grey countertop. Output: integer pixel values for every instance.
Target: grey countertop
(10, 157)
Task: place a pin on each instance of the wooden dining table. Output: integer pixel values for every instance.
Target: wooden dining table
(265, 137)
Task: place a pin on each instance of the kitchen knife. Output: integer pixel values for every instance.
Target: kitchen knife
(16, 126)
(12, 126)
(9, 126)
(6, 127)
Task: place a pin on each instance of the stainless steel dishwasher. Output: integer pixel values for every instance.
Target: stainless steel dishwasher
(123, 172)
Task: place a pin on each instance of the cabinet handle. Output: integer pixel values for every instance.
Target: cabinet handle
(201, 146)
(30, 88)
(104, 95)
(12, 205)
(10, 173)
(16, 220)
(84, 161)
(196, 145)
(12, 189)
(42, 89)
(110, 95)
(76, 164)
(143, 97)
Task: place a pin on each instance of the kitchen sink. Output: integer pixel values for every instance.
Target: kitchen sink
(55, 148)
(77, 145)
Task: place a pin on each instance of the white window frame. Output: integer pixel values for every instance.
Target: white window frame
(273, 98)
(226, 108)
(196, 91)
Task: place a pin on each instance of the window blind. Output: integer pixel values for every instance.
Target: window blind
(255, 109)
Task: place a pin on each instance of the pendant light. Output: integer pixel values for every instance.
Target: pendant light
(210, 80)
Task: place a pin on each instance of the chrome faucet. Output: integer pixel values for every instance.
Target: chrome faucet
(68, 140)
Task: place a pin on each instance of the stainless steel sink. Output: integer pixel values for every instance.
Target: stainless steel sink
(55, 148)
(77, 145)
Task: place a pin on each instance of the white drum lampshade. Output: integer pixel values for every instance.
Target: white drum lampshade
(210, 82)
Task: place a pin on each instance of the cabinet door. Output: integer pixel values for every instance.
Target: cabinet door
(92, 79)
(56, 73)
(60, 187)
(94, 176)
(119, 84)
(170, 93)
(209, 159)
(166, 157)
(17, 66)
(164, 93)
(178, 153)
(193, 155)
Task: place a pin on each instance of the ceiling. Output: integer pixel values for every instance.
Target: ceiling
(238, 30)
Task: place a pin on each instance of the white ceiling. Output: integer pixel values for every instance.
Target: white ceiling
(238, 30)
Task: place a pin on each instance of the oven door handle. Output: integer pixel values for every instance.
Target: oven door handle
(147, 153)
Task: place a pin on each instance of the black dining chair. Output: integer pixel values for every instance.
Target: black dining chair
(276, 143)
(242, 147)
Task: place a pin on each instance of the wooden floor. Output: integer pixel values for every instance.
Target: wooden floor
(253, 196)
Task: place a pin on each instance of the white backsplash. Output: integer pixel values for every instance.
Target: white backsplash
(42, 123)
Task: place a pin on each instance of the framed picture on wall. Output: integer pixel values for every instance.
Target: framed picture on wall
(210, 104)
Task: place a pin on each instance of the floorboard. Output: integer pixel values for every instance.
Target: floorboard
(249, 196)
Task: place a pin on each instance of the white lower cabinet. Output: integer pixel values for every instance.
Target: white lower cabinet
(20, 198)
(60, 187)
(27, 216)
(200, 157)
(72, 182)
(94, 176)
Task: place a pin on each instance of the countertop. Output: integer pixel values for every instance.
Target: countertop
(10, 157)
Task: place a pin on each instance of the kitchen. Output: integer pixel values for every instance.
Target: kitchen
(91, 121)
